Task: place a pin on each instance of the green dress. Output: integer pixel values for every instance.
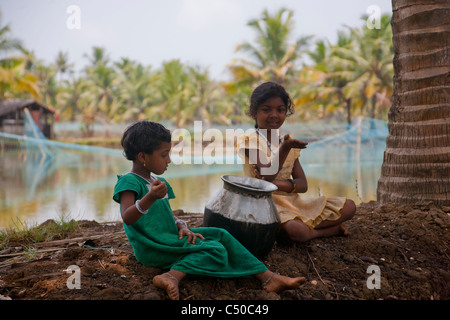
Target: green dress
(154, 238)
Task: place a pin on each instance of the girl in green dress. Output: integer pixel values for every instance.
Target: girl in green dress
(159, 239)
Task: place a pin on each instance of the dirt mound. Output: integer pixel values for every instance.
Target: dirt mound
(407, 246)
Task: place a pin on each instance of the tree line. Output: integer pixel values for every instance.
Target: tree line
(333, 81)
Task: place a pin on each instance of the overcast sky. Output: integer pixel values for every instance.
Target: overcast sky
(203, 32)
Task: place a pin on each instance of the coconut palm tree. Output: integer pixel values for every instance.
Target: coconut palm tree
(72, 98)
(350, 75)
(416, 165)
(366, 64)
(175, 94)
(135, 93)
(208, 97)
(63, 66)
(16, 81)
(322, 87)
(8, 44)
(101, 78)
(16, 78)
(272, 57)
(99, 56)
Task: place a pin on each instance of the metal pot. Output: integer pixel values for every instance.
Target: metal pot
(245, 208)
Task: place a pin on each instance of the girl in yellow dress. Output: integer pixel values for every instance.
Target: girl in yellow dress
(275, 159)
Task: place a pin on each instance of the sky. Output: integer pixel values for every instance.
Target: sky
(202, 32)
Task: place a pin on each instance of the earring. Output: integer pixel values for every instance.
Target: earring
(144, 164)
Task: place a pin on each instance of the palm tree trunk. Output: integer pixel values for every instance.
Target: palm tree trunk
(348, 103)
(416, 164)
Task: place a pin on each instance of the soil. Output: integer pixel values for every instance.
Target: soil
(409, 244)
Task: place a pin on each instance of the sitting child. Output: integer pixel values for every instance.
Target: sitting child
(276, 160)
(159, 239)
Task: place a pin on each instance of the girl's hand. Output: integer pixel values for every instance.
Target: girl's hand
(283, 185)
(191, 235)
(158, 190)
(290, 143)
(256, 172)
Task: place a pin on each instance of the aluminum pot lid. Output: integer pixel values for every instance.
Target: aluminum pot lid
(250, 184)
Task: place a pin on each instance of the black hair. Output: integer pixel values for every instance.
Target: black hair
(143, 136)
(266, 91)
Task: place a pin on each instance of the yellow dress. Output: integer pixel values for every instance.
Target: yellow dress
(290, 206)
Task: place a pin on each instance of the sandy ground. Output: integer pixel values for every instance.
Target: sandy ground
(408, 245)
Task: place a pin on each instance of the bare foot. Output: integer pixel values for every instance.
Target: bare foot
(343, 231)
(168, 283)
(278, 283)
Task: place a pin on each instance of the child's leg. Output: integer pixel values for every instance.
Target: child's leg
(347, 212)
(296, 231)
(272, 282)
(169, 282)
(276, 283)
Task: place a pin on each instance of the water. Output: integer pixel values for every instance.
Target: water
(80, 186)
(42, 179)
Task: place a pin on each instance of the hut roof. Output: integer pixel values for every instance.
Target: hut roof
(10, 105)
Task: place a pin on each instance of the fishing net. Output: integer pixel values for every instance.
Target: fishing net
(34, 167)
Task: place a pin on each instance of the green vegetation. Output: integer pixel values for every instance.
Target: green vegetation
(22, 233)
(327, 80)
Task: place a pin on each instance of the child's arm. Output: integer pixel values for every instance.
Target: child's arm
(130, 214)
(299, 184)
(183, 230)
(299, 177)
(281, 155)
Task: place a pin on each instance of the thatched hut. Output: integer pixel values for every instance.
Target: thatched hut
(12, 116)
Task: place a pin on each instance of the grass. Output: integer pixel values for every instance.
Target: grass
(96, 142)
(25, 234)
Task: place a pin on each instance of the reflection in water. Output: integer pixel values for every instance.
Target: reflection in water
(80, 185)
(41, 179)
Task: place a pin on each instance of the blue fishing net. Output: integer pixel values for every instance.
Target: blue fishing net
(34, 167)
